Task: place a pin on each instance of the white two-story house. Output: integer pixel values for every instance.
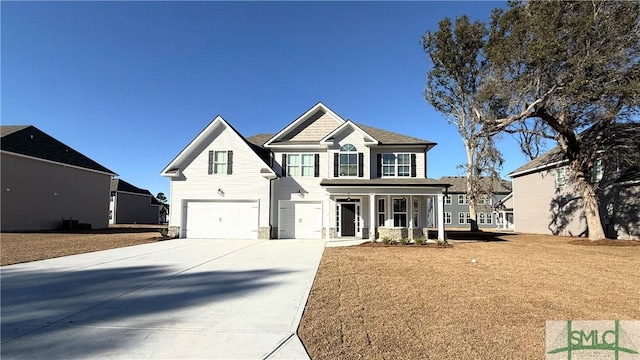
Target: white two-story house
(320, 177)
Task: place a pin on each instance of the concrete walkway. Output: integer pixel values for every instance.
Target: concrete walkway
(177, 299)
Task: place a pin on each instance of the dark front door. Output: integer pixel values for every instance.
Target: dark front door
(347, 220)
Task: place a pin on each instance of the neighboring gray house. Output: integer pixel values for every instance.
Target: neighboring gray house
(45, 182)
(321, 176)
(545, 201)
(456, 206)
(132, 205)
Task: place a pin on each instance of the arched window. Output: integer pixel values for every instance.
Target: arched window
(348, 160)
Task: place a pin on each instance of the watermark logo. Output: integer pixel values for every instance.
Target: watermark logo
(607, 339)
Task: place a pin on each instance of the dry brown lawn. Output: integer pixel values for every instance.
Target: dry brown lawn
(412, 302)
(23, 247)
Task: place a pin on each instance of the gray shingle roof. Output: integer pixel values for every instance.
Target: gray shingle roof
(612, 136)
(121, 185)
(459, 185)
(388, 137)
(30, 141)
(259, 139)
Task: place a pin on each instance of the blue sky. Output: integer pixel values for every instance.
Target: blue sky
(129, 84)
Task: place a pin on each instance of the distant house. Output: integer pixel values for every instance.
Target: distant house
(546, 202)
(45, 182)
(456, 205)
(132, 205)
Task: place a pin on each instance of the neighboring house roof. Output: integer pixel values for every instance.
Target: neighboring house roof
(555, 157)
(459, 184)
(549, 159)
(172, 168)
(27, 140)
(383, 182)
(121, 185)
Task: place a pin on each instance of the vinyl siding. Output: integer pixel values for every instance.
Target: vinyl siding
(286, 188)
(134, 209)
(195, 183)
(536, 207)
(36, 195)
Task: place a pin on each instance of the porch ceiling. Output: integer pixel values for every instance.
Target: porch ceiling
(410, 186)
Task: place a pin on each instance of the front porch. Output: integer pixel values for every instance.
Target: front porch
(383, 209)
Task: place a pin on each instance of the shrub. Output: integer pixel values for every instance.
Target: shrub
(164, 232)
(404, 241)
(386, 240)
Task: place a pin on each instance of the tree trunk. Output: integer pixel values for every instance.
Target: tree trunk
(471, 192)
(591, 209)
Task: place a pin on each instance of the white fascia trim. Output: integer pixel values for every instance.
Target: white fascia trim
(325, 140)
(509, 196)
(57, 163)
(195, 142)
(301, 118)
(199, 139)
(284, 146)
(537, 169)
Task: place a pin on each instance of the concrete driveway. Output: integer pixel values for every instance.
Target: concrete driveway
(177, 299)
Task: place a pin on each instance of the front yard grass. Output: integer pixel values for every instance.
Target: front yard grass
(24, 247)
(411, 302)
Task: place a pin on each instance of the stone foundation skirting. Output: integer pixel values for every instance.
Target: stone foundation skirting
(397, 233)
(332, 233)
(174, 232)
(264, 233)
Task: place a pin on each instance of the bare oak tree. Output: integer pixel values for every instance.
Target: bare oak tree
(454, 88)
(569, 66)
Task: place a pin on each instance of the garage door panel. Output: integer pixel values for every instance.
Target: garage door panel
(300, 220)
(222, 219)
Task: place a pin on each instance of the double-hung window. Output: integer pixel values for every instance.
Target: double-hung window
(219, 162)
(300, 164)
(561, 177)
(381, 212)
(400, 212)
(447, 217)
(447, 200)
(485, 218)
(464, 218)
(396, 165)
(462, 199)
(348, 160)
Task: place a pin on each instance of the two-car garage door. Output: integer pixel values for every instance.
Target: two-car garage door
(222, 219)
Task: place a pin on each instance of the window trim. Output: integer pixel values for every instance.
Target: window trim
(561, 177)
(395, 166)
(352, 151)
(217, 163)
(466, 218)
(382, 213)
(447, 200)
(301, 166)
(447, 218)
(405, 212)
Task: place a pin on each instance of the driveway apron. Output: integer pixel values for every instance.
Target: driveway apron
(177, 299)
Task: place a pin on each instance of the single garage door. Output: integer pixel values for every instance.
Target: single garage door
(222, 219)
(300, 220)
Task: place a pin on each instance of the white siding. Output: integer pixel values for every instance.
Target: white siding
(286, 188)
(245, 183)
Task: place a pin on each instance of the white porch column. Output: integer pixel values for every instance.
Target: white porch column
(440, 216)
(372, 217)
(327, 217)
